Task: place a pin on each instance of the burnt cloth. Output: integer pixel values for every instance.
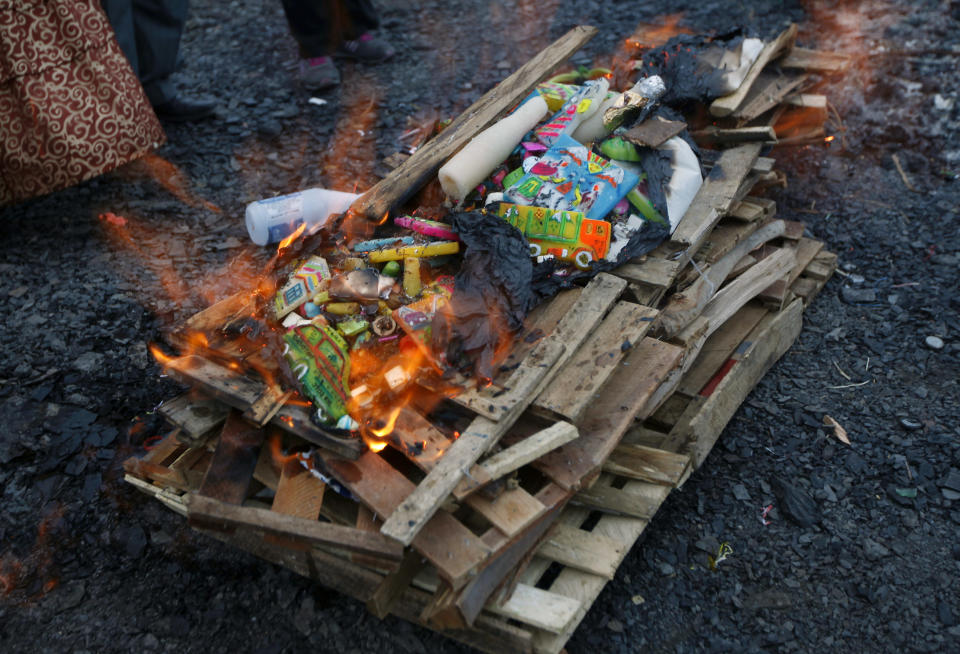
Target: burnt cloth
(71, 107)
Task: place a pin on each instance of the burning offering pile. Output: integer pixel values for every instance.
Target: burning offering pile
(423, 402)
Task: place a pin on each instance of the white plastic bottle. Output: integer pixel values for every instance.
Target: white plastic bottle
(273, 219)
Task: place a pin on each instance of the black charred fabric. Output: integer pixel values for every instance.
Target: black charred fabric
(687, 77)
(494, 286)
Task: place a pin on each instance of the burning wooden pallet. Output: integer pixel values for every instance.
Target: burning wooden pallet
(503, 533)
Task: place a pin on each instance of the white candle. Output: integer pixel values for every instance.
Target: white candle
(488, 149)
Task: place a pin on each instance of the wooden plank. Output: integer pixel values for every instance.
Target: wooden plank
(234, 460)
(630, 500)
(239, 392)
(683, 308)
(654, 132)
(648, 464)
(491, 634)
(214, 317)
(389, 591)
(452, 548)
(570, 332)
(644, 434)
(166, 451)
(197, 418)
(805, 251)
(425, 445)
(509, 553)
(653, 271)
(720, 346)
(630, 388)
(730, 103)
(265, 407)
(516, 456)
(718, 136)
(542, 320)
(407, 178)
(811, 102)
(723, 239)
(823, 266)
(511, 511)
(767, 92)
(716, 196)
(538, 608)
(768, 342)
(731, 298)
(669, 411)
(583, 550)
(209, 511)
(816, 60)
(754, 209)
(574, 387)
(586, 587)
(416, 508)
(268, 469)
(299, 493)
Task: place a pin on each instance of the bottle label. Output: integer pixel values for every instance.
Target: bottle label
(284, 214)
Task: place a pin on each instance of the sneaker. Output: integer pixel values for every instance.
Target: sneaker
(318, 73)
(367, 48)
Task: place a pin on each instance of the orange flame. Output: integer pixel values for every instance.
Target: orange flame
(285, 243)
(160, 356)
(387, 429)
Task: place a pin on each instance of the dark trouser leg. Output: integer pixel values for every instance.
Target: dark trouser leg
(158, 26)
(120, 14)
(319, 26)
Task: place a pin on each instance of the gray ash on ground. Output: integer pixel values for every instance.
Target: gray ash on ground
(88, 564)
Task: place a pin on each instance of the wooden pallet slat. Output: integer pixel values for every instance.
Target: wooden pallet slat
(648, 464)
(512, 458)
(538, 608)
(416, 508)
(209, 511)
(570, 331)
(585, 373)
(234, 460)
(728, 104)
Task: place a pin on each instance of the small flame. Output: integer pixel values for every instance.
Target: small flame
(285, 243)
(276, 451)
(829, 139)
(160, 356)
(376, 446)
(387, 429)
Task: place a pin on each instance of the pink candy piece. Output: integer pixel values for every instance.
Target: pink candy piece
(533, 147)
(427, 227)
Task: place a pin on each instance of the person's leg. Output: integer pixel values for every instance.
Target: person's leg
(157, 28)
(359, 20)
(363, 17)
(311, 27)
(120, 15)
(158, 25)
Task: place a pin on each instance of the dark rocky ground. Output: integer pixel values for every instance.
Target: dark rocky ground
(89, 564)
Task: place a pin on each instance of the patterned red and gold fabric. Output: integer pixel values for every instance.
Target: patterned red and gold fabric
(71, 107)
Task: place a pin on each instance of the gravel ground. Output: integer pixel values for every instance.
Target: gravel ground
(88, 564)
